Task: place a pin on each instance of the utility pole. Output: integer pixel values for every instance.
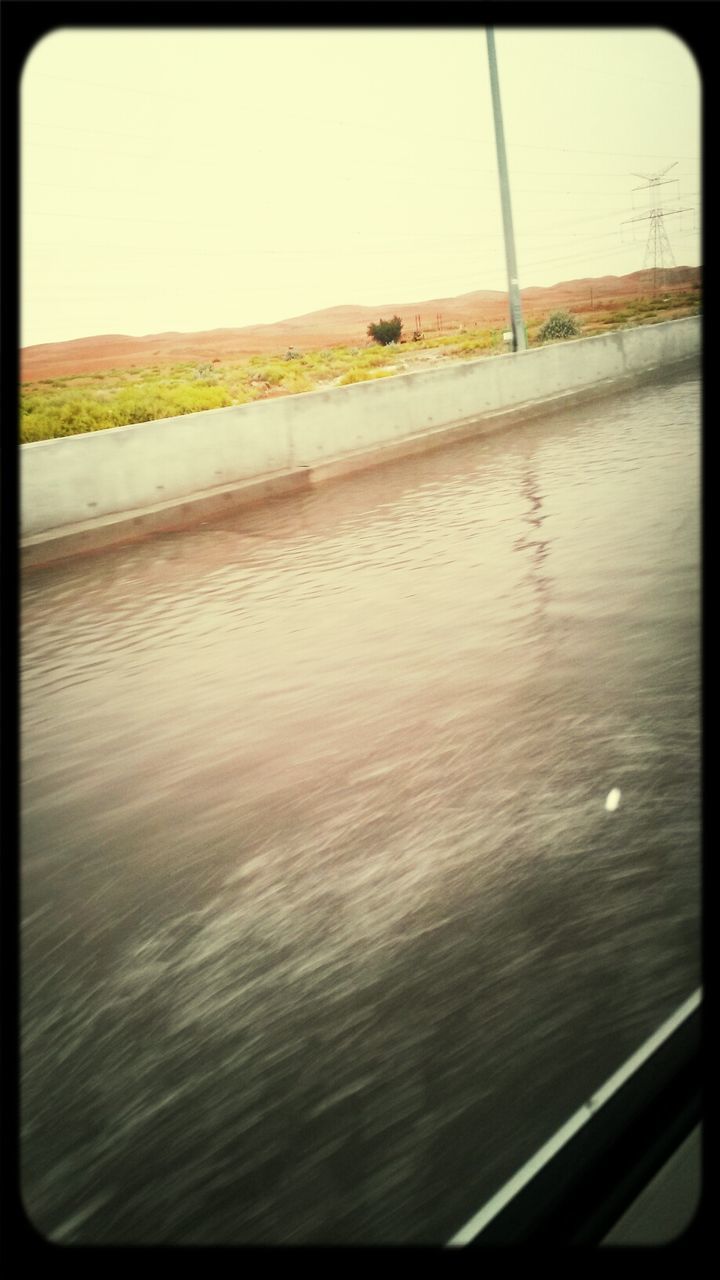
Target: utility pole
(658, 245)
(516, 320)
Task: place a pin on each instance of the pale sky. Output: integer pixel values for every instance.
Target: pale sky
(197, 179)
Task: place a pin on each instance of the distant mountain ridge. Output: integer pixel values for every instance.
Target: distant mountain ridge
(345, 323)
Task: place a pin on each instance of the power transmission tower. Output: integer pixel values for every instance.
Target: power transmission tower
(658, 249)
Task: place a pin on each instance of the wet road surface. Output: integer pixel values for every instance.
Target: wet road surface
(325, 926)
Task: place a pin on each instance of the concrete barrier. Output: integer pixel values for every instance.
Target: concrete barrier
(116, 477)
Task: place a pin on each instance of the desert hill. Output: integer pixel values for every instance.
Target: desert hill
(335, 325)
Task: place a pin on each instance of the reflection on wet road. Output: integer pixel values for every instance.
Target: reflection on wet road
(325, 924)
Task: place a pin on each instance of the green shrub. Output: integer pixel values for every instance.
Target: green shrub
(61, 416)
(191, 399)
(559, 325)
(205, 373)
(363, 375)
(371, 358)
(274, 373)
(386, 331)
(483, 341)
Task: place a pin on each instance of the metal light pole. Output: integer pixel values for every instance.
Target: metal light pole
(516, 320)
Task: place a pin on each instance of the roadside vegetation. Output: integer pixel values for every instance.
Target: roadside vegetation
(93, 402)
(559, 325)
(386, 331)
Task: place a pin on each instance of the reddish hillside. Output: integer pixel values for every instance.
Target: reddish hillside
(335, 325)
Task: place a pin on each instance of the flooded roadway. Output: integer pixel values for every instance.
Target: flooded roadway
(325, 927)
